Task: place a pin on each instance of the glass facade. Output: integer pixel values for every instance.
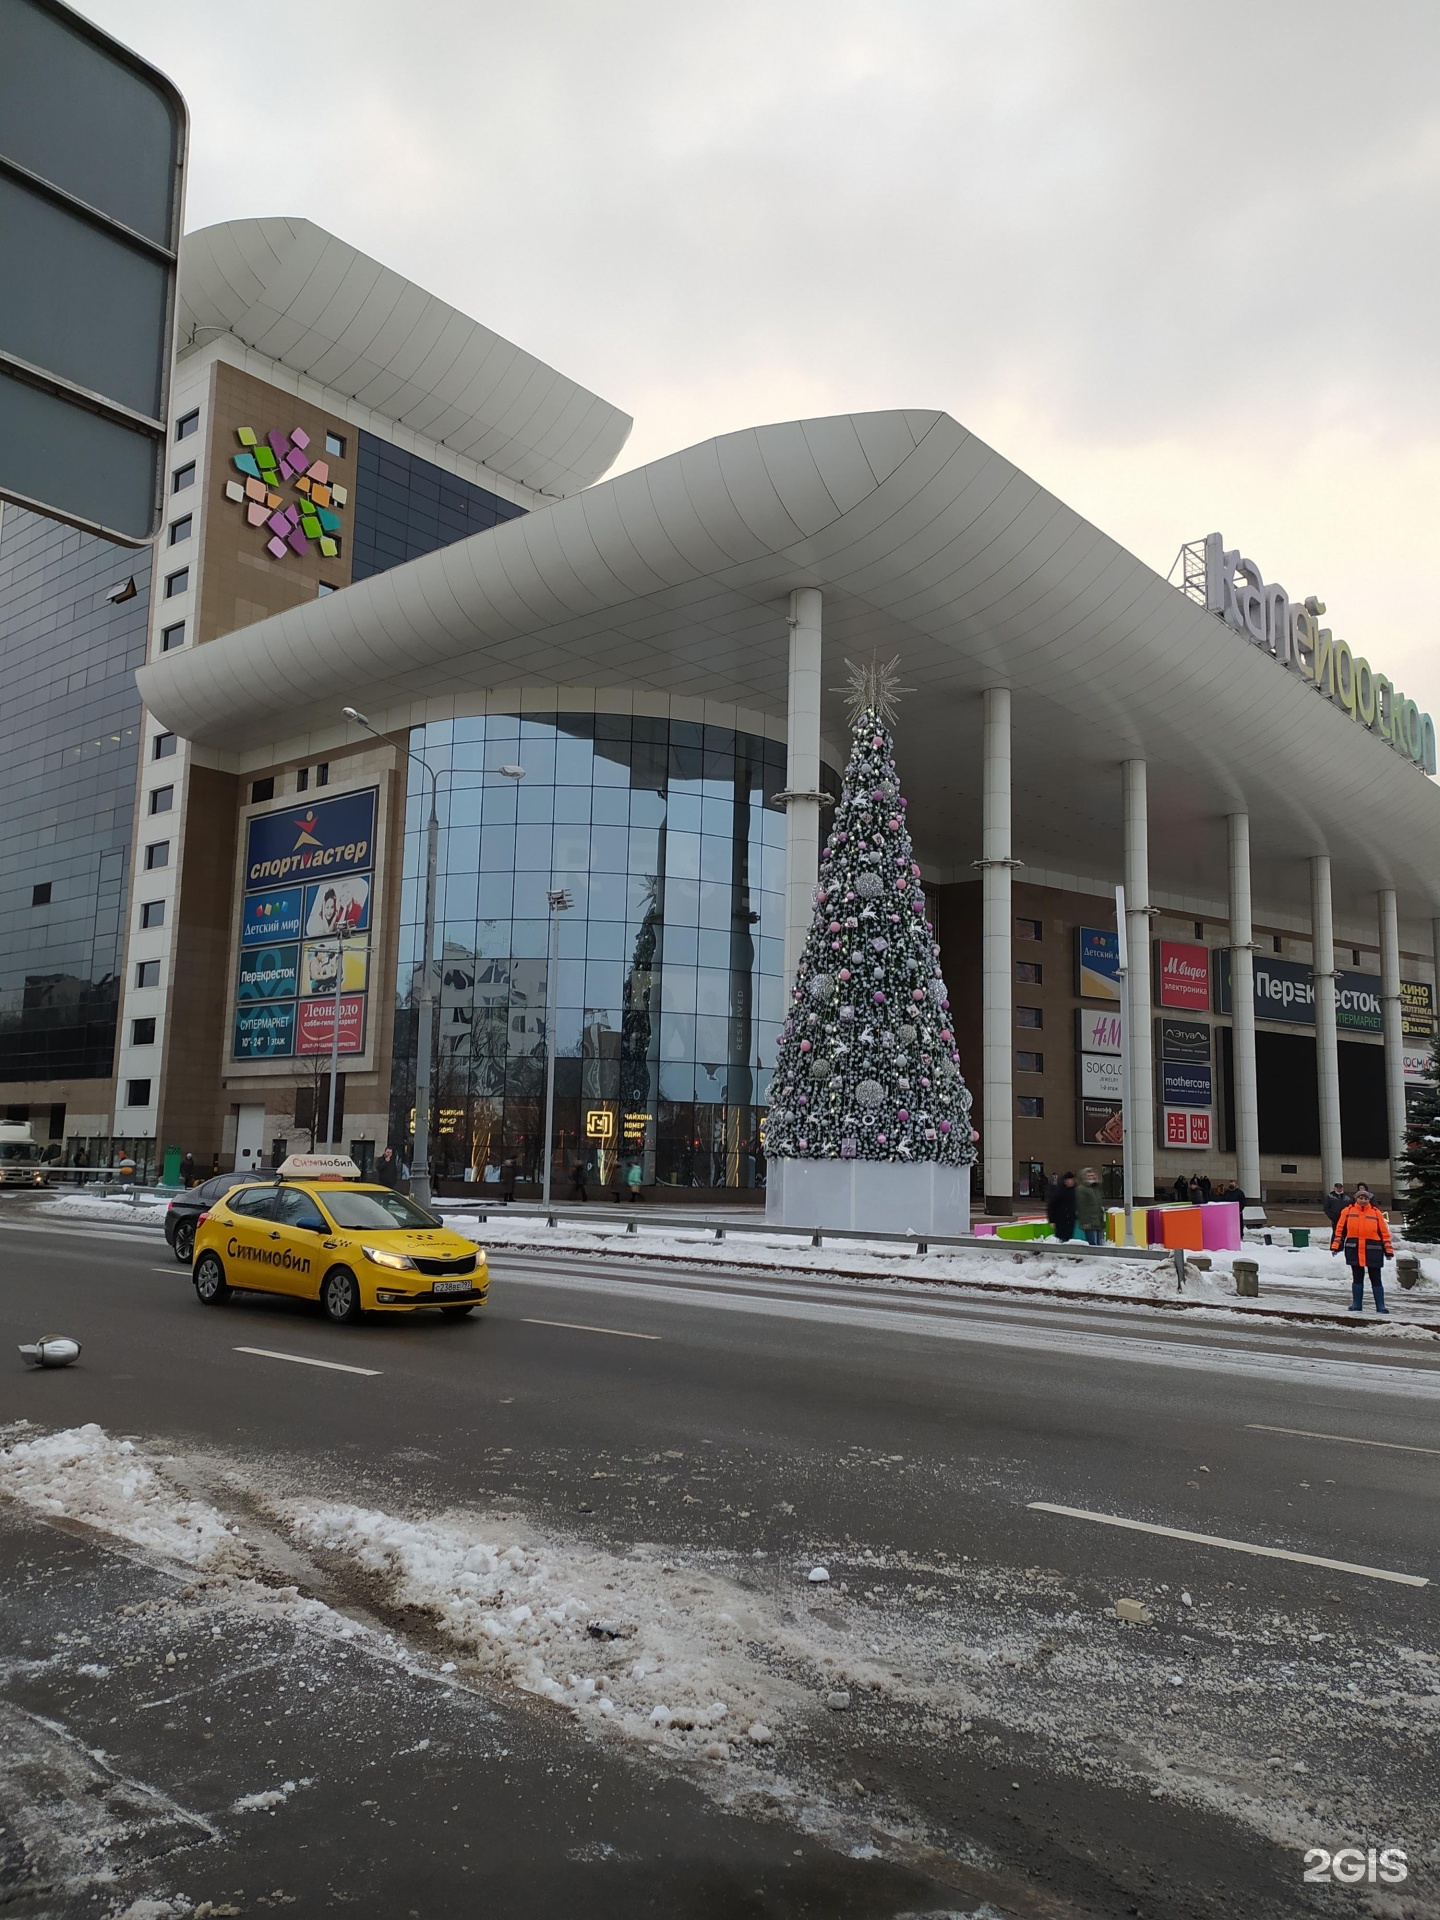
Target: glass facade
(671, 960)
(68, 656)
(406, 506)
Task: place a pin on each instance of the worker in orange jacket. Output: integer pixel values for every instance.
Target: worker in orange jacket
(1363, 1237)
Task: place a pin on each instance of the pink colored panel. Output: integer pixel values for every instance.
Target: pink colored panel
(279, 443)
(298, 542)
(298, 462)
(1220, 1226)
(980, 1228)
(278, 522)
(255, 515)
(277, 547)
(287, 469)
(300, 437)
(320, 470)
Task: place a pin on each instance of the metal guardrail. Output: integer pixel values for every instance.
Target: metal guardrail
(817, 1236)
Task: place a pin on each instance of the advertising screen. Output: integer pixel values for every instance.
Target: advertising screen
(1098, 963)
(305, 921)
(1100, 1123)
(1417, 1009)
(1182, 975)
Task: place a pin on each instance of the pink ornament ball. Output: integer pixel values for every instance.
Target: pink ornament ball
(894, 825)
(879, 794)
(944, 1126)
(903, 1114)
(881, 1140)
(879, 999)
(917, 993)
(974, 1133)
(844, 973)
(804, 1046)
(878, 740)
(946, 1035)
(804, 1145)
(834, 927)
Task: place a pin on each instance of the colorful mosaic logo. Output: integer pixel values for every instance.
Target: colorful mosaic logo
(268, 464)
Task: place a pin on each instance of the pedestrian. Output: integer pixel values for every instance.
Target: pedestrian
(214, 1165)
(1235, 1194)
(82, 1161)
(1181, 1188)
(387, 1169)
(1061, 1208)
(187, 1170)
(1195, 1194)
(635, 1173)
(578, 1175)
(1090, 1207)
(1205, 1189)
(1363, 1237)
(1336, 1201)
(509, 1174)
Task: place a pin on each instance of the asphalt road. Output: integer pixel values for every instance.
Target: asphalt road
(903, 1440)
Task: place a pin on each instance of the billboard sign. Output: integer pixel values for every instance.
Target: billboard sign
(1417, 1009)
(1100, 1123)
(1185, 1040)
(1416, 1064)
(1098, 963)
(1182, 974)
(1100, 1076)
(92, 178)
(1285, 994)
(1097, 1031)
(1182, 1129)
(1357, 1002)
(305, 918)
(1184, 1085)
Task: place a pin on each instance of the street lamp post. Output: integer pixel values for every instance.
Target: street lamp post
(1127, 1150)
(560, 902)
(425, 1038)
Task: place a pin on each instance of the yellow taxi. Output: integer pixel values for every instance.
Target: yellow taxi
(316, 1230)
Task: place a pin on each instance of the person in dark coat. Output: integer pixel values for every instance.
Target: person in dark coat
(1336, 1201)
(579, 1175)
(1060, 1211)
(1205, 1189)
(387, 1169)
(1182, 1187)
(187, 1170)
(1235, 1193)
(509, 1174)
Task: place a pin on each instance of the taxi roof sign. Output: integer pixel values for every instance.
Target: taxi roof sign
(319, 1166)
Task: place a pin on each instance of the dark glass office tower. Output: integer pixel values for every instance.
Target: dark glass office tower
(72, 633)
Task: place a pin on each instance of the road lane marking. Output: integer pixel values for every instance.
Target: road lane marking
(576, 1326)
(1350, 1439)
(304, 1360)
(1235, 1546)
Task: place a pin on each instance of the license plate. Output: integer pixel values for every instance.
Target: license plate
(452, 1286)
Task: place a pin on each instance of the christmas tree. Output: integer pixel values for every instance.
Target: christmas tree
(1420, 1163)
(867, 1067)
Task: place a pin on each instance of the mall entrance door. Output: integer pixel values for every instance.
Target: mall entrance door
(250, 1139)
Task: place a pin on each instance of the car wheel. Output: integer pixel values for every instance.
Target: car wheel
(340, 1297)
(458, 1313)
(211, 1287)
(183, 1245)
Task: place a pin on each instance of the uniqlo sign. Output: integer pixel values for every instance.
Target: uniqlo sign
(1184, 974)
(1186, 1129)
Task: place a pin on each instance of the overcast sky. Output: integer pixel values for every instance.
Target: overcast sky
(1178, 261)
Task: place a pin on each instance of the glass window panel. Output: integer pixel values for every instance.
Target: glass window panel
(533, 849)
(571, 849)
(772, 957)
(469, 754)
(531, 896)
(460, 808)
(712, 1038)
(534, 801)
(683, 809)
(572, 804)
(458, 900)
(681, 946)
(716, 859)
(677, 989)
(682, 902)
(715, 909)
(771, 873)
(712, 990)
(644, 854)
(610, 806)
(499, 804)
(604, 986)
(677, 1036)
(496, 891)
(770, 999)
(677, 1080)
(570, 983)
(573, 759)
(500, 729)
(682, 855)
(460, 849)
(714, 948)
(647, 807)
(611, 769)
(572, 934)
(717, 813)
(607, 940)
(497, 849)
(609, 849)
(528, 938)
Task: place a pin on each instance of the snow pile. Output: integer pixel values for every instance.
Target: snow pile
(670, 1656)
(141, 1212)
(272, 1797)
(84, 1474)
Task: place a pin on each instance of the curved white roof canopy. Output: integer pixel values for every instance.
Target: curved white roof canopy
(322, 308)
(926, 543)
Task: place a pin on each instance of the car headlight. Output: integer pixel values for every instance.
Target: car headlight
(383, 1257)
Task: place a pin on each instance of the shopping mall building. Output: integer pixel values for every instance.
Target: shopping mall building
(626, 689)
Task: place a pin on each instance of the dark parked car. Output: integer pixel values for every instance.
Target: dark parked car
(186, 1208)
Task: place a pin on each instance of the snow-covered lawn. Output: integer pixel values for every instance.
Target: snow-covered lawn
(143, 1211)
(1308, 1281)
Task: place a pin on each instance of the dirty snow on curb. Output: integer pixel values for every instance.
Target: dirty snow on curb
(1302, 1279)
(663, 1654)
(85, 1206)
(84, 1474)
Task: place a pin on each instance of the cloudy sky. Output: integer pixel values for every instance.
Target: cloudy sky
(1176, 260)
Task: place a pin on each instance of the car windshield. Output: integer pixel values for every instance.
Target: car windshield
(376, 1208)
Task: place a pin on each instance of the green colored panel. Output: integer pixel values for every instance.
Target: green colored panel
(329, 549)
(246, 436)
(266, 458)
(311, 526)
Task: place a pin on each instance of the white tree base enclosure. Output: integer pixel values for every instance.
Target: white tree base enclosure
(874, 1196)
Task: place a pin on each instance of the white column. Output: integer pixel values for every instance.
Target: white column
(1327, 1049)
(996, 967)
(802, 798)
(1242, 1005)
(1394, 1032)
(1140, 1121)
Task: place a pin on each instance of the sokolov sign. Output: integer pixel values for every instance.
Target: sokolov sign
(1237, 593)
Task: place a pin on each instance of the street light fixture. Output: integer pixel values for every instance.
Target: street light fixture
(560, 902)
(425, 1037)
